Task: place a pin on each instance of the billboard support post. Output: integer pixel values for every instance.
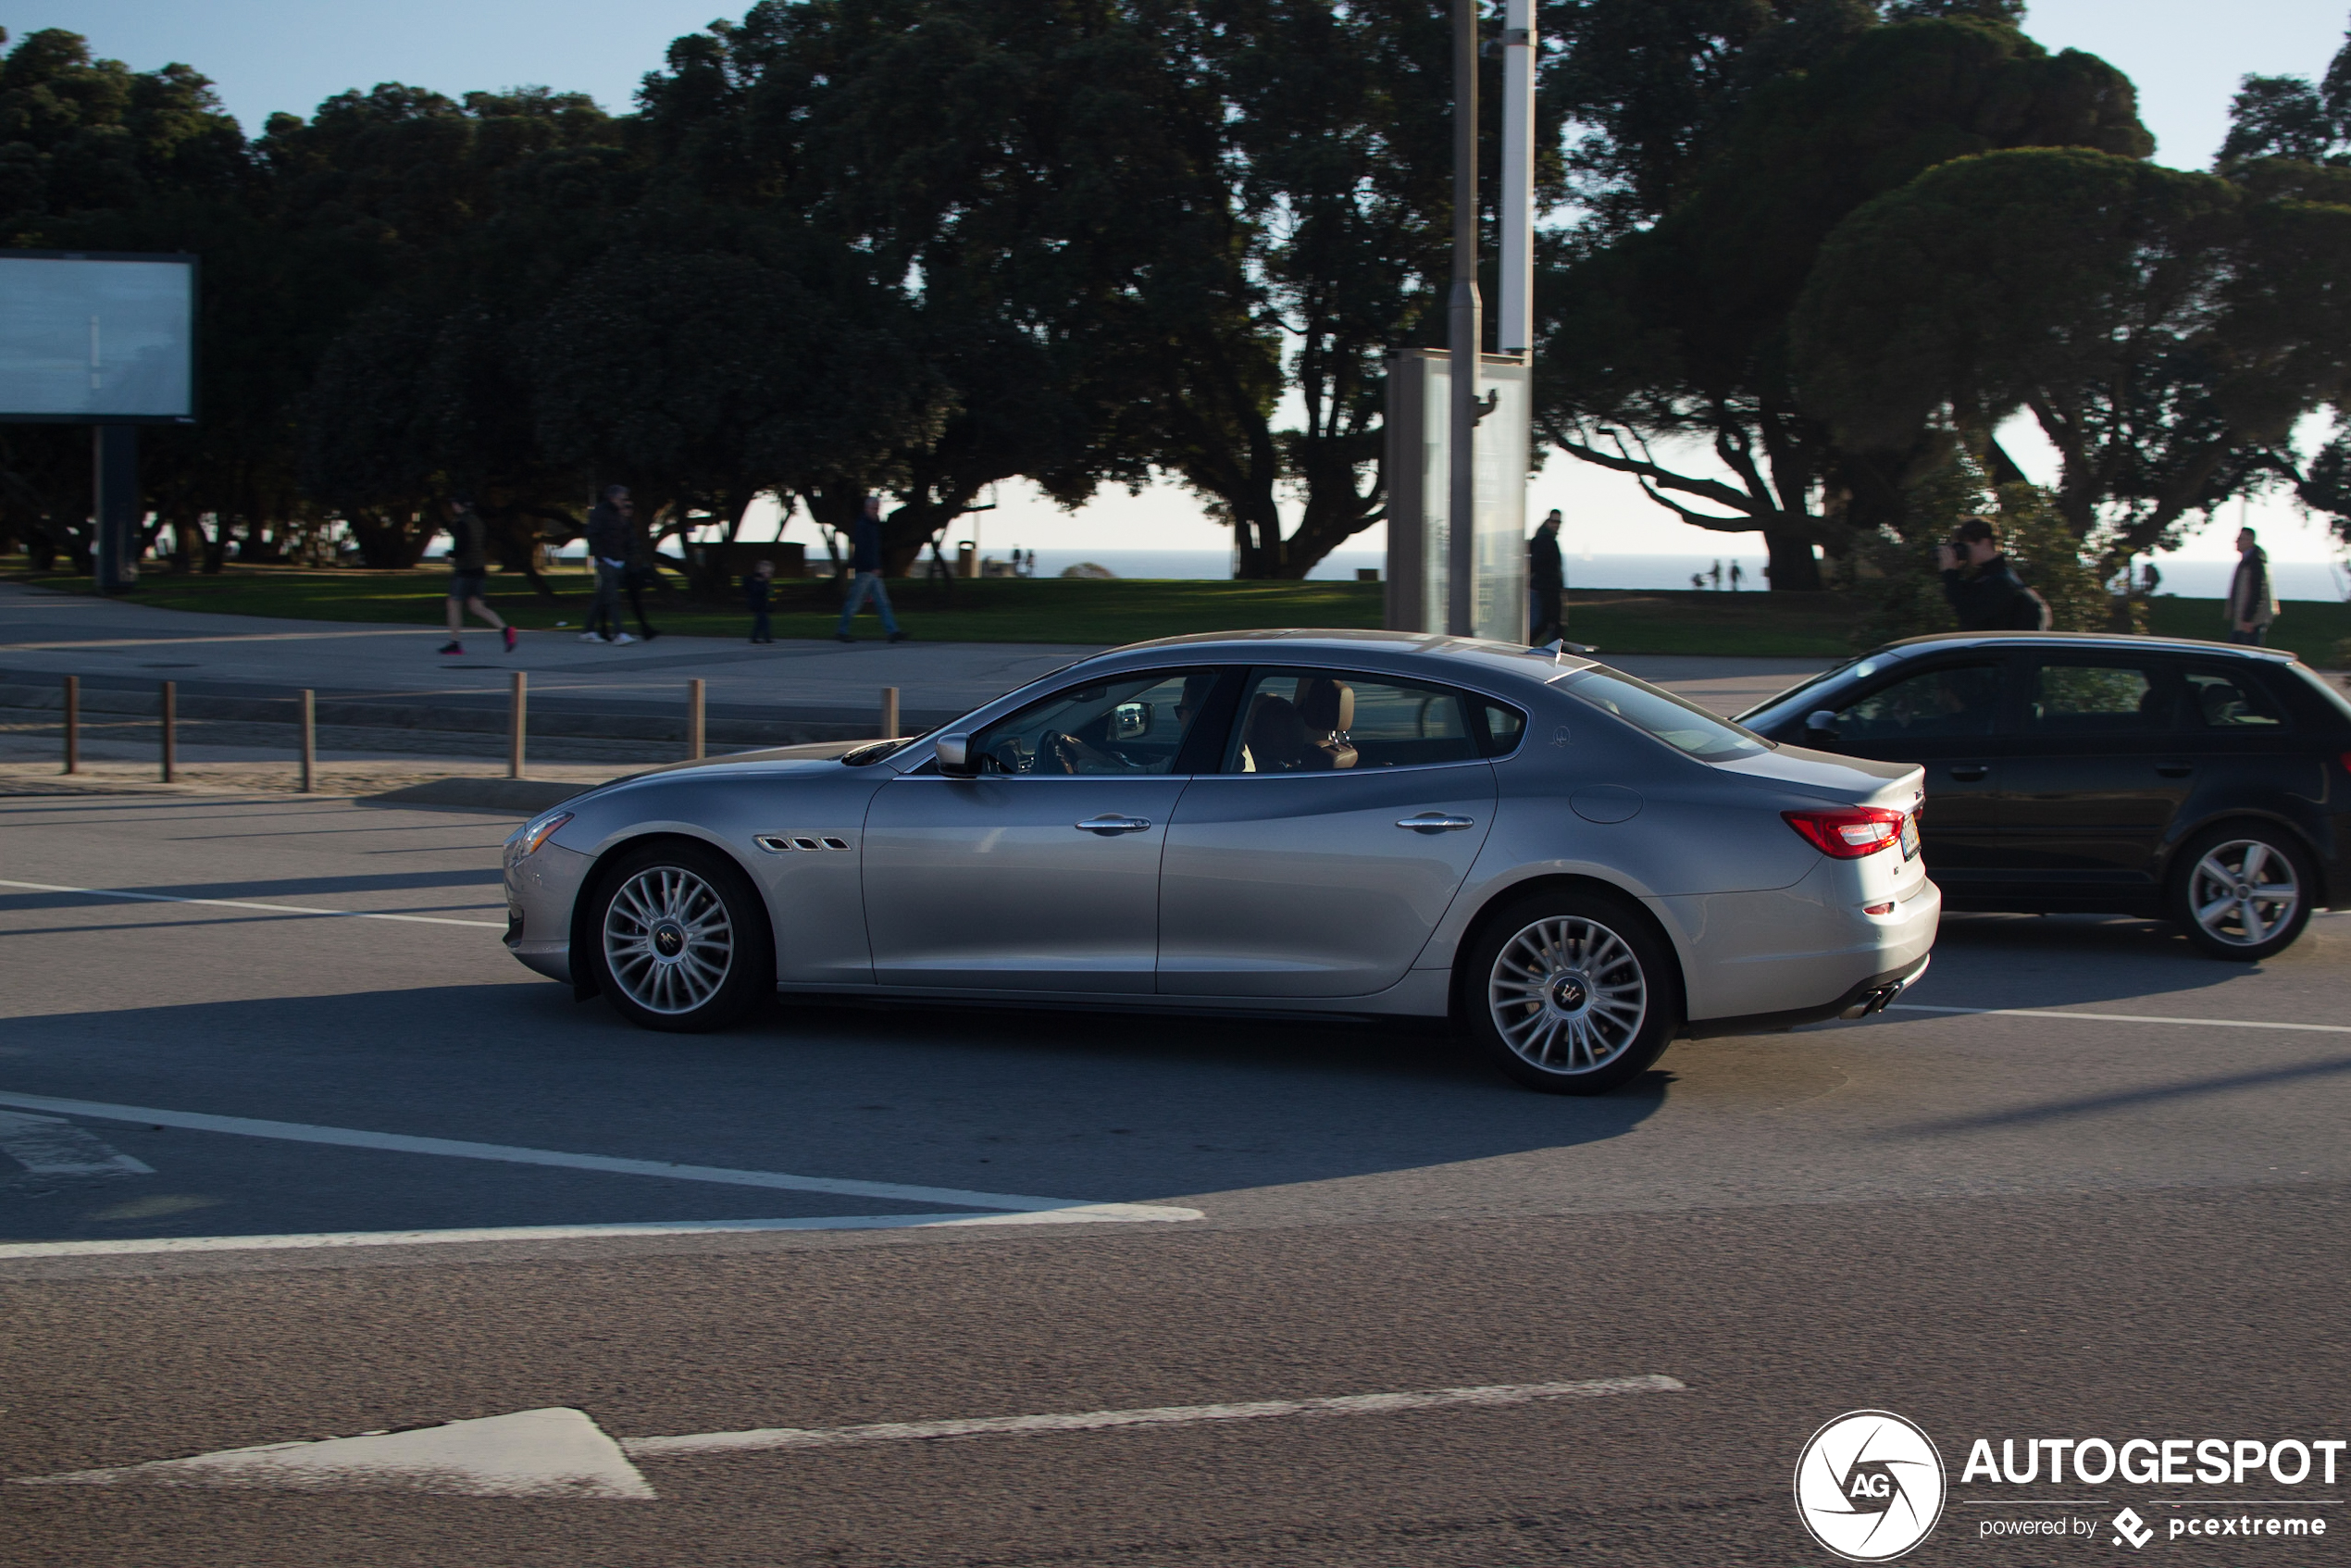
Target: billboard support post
(114, 545)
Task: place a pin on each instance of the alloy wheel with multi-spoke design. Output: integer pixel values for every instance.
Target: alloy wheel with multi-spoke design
(1567, 994)
(669, 940)
(2242, 892)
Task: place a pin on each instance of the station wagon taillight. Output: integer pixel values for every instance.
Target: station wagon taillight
(1848, 832)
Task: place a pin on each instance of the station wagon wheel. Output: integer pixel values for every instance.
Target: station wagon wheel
(2242, 891)
(1569, 993)
(680, 938)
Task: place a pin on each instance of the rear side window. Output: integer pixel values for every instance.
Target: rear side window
(1685, 727)
(1328, 721)
(2223, 699)
(2087, 698)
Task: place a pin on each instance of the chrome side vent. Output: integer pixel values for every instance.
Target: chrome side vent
(805, 843)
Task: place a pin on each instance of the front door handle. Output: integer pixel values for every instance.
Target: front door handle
(1109, 823)
(1969, 772)
(1435, 822)
(2173, 770)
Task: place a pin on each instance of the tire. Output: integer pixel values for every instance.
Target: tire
(2243, 891)
(679, 938)
(1570, 993)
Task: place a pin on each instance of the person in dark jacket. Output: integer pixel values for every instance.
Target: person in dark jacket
(758, 585)
(1982, 586)
(2253, 600)
(469, 573)
(609, 527)
(1546, 584)
(866, 561)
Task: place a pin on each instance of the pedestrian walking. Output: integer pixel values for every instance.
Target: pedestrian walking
(758, 586)
(2253, 598)
(469, 573)
(866, 561)
(1546, 584)
(1717, 575)
(1982, 586)
(1737, 576)
(639, 573)
(608, 529)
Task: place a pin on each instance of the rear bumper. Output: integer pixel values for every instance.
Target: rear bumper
(1871, 995)
(1806, 949)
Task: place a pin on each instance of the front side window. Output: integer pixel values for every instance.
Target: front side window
(2085, 699)
(1321, 721)
(1125, 725)
(1957, 700)
(1685, 727)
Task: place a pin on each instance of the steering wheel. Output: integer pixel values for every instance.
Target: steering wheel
(1056, 753)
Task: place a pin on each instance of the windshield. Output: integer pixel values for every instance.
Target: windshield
(1770, 708)
(1683, 726)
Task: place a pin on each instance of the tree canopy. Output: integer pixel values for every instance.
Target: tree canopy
(1806, 250)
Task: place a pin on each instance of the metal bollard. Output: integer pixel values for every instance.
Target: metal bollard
(309, 741)
(889, 712)
(73, 724)
(516, 721)
(171, 732)
(693, 720)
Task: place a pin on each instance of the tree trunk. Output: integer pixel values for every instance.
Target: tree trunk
(1793, 569)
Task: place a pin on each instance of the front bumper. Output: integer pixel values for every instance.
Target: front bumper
(540, 893)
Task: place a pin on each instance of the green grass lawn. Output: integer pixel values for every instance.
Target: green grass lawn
(1066, 610)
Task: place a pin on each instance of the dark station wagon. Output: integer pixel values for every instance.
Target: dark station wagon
(2202, 783)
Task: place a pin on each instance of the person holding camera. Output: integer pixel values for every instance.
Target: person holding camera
(1982, 585)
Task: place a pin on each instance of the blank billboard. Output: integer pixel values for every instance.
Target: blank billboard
(97, 340)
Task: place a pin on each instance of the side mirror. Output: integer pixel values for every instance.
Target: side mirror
(955, 759)
(1819, 723)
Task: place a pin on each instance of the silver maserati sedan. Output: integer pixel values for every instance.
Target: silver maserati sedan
(1573, 865)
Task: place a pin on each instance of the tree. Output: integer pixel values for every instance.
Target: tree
(2291, 116)
(706, 378)
(1667, 317)
(2166, 330)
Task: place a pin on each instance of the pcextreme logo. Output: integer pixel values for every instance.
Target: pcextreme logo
(1870, 1486)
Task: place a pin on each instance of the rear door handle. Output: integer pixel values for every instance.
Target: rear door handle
(2173, 770)
(1435, 822)
(1109, 823)
(1968, 772)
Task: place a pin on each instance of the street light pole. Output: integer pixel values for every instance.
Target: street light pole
(1461, 554)
(1514, 321)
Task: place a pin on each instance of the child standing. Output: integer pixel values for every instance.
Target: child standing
(756, 590)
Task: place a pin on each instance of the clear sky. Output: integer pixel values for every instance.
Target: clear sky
(2187, 57)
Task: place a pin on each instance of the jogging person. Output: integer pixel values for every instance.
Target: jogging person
(468, 573)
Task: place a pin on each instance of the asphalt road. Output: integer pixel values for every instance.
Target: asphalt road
(1998, 1226)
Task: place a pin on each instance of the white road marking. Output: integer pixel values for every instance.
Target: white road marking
(45, 1146)
(2121, 1018)
(243, 903)
(532, 1453)
(562, 1452)
(1083, 1214)
(1165, 1415)
(346, 1138)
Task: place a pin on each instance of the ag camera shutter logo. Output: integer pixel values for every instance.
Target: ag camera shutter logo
(1869, 1486)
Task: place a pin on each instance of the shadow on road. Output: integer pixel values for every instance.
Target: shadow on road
(1081, 1105)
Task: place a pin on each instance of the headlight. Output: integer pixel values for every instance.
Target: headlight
(534, 834)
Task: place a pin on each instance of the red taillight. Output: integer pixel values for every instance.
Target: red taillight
(1848, 832)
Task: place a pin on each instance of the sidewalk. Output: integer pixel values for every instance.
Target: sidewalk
(392, 713)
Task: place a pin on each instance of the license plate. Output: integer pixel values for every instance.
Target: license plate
(1910, 837)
